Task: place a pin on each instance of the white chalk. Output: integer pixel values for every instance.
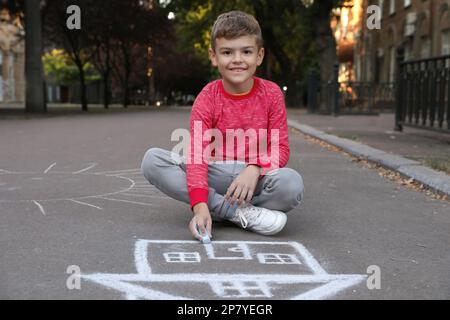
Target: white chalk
(205, 237)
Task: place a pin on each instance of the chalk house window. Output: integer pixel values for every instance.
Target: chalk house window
(406, 3)
(182, 257)
(277, 258)
(242, 289)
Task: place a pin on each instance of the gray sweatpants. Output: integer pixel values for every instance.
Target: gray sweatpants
(280, 189)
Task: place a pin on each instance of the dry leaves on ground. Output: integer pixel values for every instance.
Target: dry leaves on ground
(396, 177)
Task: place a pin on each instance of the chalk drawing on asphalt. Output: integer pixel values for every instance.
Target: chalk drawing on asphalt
(175, 269)
(81, 186)
(223, 269)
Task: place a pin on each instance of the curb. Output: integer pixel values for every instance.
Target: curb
(433, 179)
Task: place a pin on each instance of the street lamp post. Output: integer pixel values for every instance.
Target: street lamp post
(35, 99)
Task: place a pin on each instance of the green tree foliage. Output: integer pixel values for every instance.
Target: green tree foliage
(296, 35)
(61, 70)
(115, 36)
(284, 31)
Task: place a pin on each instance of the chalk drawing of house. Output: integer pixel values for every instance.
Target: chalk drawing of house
(174, 269)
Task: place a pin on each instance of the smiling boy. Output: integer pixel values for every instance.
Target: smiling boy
(252, 190)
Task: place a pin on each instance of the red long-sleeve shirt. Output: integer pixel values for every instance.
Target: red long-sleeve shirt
(261, 114)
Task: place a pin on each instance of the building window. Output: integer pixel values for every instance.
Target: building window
(392, 6)
(425, 48)
(410, 24)
(445, 30)
(11, 82)
(49, 93)
(392, 55)
(406, 3)
(408, 50)
(58, 94)
(381, 5)
(445, 40)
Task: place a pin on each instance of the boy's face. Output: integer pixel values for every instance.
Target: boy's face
(237, 60)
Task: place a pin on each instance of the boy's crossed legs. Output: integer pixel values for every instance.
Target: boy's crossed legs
(280, 190)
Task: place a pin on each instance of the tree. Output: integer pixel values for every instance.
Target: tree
(35, 99)
(320, 13)
(285, 28)
(101, 42)
(115, 36)
(74, 42)
(137, 28)
(61, 70)
(297, 35)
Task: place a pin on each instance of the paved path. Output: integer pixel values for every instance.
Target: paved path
(71, 194)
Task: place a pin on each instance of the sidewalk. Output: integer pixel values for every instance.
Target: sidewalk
(417, 147)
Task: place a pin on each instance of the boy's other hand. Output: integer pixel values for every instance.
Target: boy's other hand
(242, 188)
(202, 219)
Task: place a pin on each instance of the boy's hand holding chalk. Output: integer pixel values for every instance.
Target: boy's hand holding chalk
(205, 238)
(200, 225)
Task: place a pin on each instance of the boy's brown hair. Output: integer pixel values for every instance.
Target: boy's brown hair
(234, 24)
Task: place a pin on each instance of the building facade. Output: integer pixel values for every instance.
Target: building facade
(12, 59)
(422, 27)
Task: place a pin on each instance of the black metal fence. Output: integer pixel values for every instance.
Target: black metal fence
(348, 97)
(423, 93)
(321, 96)
(366, 97)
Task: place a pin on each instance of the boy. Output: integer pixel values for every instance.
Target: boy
(248, 190)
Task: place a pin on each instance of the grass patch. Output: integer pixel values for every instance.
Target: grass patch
(438, 164)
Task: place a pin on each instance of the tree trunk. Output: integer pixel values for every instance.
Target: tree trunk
(84, 101)
(35, 99)
(125, 93)
(127, 67)
(106, 75)
(273, 46)
(152, 89)
(326, 43)
(106, 90)
(292, 93)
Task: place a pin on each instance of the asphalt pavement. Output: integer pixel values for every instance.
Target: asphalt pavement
(72, 198)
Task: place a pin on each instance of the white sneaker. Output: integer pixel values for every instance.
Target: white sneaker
(260, 220)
